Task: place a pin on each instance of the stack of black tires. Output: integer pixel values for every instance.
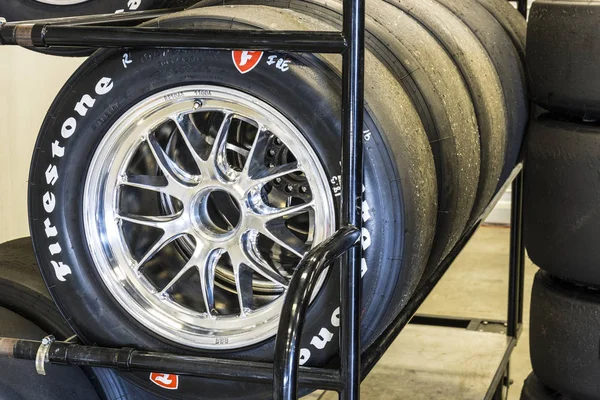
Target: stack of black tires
(28, 312)
(562, 191)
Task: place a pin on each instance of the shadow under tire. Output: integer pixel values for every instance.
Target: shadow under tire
(563, 337)
(560, 217)
(534, 389)
(563, 48)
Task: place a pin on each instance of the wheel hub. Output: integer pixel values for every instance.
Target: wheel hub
(216, 213)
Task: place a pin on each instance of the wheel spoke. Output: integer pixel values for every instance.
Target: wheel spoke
(171, 226)
(217, 152)
(267, 214)
(174, 174)
(205, 261)
(240, 150)
(188, 130)
(163, 222)
(155, 184)
(258, 263)
(243, 284)
(207, 279)
(189, 265)
(255, 159)
(281, 235)
(264, 175)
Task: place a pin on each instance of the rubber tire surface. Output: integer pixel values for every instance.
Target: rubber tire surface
(561, 217)
(429, 76)
(22, 10)
(534, 389)
(19, 379)
(96, 317)
(22, 291)
(482, 80)
(511, 20)
(509, 68)
(564, 336)
(563, 49)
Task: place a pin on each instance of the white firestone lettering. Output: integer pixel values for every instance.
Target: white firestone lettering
(49, 202)
(68, 128)
(304, 356)
(363, 267)
(54, 248)
(51, 174)
(366, 238)
(86, 103)
(104, 86)
(322, 338)
(57, 151)
(366, 215)
(61, 270)
(335, 317)
(134, 4)
(51, 231)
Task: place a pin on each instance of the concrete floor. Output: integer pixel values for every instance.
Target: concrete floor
(450, 363)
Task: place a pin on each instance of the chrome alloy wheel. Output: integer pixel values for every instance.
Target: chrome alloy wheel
(198, 205)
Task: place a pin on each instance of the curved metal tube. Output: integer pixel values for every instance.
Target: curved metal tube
(287, 348)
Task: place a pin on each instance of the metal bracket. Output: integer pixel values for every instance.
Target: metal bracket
(41, 357)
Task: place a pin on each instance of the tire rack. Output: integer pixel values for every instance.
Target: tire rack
(119, 30)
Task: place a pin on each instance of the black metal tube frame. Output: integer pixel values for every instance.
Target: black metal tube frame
(98, 31)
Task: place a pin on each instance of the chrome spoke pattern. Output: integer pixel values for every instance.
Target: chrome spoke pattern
(199, 208)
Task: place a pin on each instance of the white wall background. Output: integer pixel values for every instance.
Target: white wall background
(28, 84)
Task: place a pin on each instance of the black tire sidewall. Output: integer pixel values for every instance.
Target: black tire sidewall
(83, 298)
(563, 334)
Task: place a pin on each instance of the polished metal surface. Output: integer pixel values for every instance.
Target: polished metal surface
(199, 204)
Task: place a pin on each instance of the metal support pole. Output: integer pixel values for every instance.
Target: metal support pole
(297, 299)
(352, 183)
(522, 7)
(517, 261)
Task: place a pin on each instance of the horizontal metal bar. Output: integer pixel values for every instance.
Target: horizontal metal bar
(133, 360)
(456, 322)
(40, 35)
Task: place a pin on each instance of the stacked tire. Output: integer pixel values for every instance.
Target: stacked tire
(28, 312)
(561, 195)
(173, 192)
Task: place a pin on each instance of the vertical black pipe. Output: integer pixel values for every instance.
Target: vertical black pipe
(517, 262)
(352, 183)
(295, 306)
(521, 248)
(522, 7)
